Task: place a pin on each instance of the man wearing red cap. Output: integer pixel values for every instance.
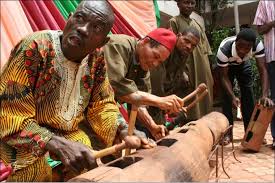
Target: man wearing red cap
(170, 77)
(128, 63)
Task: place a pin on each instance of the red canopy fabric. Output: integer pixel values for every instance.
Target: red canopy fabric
(121, 26)
(14, 26)
(135, 18)
(43, 15)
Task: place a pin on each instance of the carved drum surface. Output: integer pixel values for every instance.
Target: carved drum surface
(180, 156)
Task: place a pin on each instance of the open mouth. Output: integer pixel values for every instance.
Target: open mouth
(187, 52)
(74, 40)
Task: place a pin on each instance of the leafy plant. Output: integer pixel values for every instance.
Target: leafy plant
(217, 36)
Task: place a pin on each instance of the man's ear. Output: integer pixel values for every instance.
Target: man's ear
(179, 34)
(70, 15)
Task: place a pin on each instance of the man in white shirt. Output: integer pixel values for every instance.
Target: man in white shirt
(233, 62)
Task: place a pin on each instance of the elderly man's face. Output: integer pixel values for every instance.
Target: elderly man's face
(150, 57)
(86, 29)
(186, 7)
(186, 43)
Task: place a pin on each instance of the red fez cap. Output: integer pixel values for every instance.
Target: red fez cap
(165, 37)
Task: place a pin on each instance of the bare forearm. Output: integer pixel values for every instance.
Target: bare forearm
(145, 118)
(264, 82)
(171, 103)
(263, 75)
(263, 29)
(227, 86)
(141, 98)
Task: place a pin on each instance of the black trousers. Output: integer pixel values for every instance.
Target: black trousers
(271, 74)
(244, 76)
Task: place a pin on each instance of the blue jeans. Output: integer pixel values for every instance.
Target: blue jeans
(243, 74)
(271, 74)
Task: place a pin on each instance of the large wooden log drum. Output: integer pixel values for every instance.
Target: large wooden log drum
(254, 135)
(180, 156)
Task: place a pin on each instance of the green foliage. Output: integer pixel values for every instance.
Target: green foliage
(217, 37)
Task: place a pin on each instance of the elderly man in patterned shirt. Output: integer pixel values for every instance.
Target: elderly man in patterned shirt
(53, 80)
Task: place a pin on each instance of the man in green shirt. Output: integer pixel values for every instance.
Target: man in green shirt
(128, 63)
(198, 67)
(170, 77)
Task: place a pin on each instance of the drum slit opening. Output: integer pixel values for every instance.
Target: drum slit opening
(168, 142)
(125, 162)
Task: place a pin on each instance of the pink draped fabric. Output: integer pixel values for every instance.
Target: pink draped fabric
(14, 26)
(121, 26)
(43, 15)
(135, 17)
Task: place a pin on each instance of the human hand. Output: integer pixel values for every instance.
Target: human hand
(171, 104)
(266, 102)
(236, 102)
(145, 142)
(74, 155)
(158, 131)
(132, 142)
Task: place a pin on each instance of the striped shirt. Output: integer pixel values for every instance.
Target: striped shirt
(266, 13)
(227, 54)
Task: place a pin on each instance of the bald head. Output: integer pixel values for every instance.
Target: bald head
(99, 7)
(87, 29)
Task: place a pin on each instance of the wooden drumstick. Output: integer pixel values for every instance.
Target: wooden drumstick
(131, 125)
(109, 150)
(199, 98)
(199, 89)
(199, 93)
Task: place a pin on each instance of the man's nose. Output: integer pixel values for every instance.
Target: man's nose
(83, 29)
(189, 46)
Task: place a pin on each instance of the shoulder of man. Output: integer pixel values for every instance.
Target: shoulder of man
(225, 48)
(257, 43)
(227, 42)
(39, 40)
(174, 18)
(121, 39)
(258, 48)
(41, 35)
(198, 24)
